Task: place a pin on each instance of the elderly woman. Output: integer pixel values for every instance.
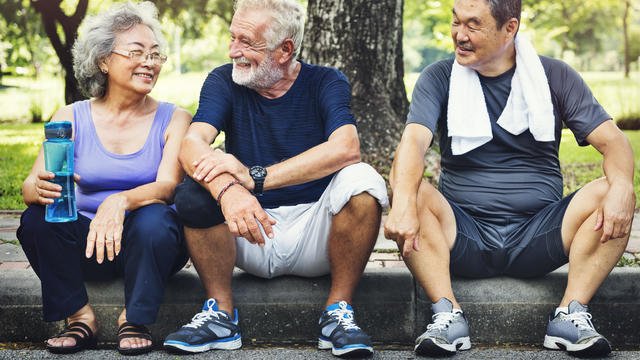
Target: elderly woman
(126, 147)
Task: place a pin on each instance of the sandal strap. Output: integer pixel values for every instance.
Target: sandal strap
(131, 330)
(78, 338)
(135, 335)
(77, 327)
(84, 328)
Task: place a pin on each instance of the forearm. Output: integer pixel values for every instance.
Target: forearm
(315, 163)
(192, 149)
(408, 167)
(617, 161)
(29, 194)
(157, 192)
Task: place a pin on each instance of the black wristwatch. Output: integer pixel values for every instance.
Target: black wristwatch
(258, 173)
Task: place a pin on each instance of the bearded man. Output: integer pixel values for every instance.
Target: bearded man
(290, 195)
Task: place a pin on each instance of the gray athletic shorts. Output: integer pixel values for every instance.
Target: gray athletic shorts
(518, 246)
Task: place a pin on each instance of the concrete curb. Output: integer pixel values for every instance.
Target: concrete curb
(388, 304)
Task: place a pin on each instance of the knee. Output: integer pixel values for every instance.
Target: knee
(32, 225)
(195, 206)
(429, 199)
(597, 190)
(357, 179)
(154, 225)
(363, 203)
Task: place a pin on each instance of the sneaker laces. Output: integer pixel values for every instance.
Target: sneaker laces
(581, 319)
(200, 318)
(441, 320)
(344, 316)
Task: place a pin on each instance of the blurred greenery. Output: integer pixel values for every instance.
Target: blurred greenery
(19, 145)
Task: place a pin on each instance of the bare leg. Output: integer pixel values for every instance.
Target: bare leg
(352, 236)
(84, 315)
(430, 265)
(589, 260)
(213, 252)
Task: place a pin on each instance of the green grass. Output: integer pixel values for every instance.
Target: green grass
(19, 146)
(583, 164)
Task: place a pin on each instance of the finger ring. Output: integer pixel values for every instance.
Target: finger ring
(109, 239)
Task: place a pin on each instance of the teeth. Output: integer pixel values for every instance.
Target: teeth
(144, 75)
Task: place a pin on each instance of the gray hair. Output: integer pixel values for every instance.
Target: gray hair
(99, 39)
(503, 10)
(287, 20)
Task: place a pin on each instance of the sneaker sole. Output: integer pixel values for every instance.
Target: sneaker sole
(429, 347)
(231, 344)
(356, 350)
(597, 347)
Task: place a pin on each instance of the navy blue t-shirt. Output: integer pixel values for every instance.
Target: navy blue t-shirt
(511, 174)
(261, 131)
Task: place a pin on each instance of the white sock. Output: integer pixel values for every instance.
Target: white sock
(564, 309)
(456, 311)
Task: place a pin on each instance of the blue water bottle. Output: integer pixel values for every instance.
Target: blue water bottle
(58, 158)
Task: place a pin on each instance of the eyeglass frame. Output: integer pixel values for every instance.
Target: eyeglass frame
(142, 57)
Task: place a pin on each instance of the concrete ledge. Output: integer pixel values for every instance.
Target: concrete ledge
(389, 306)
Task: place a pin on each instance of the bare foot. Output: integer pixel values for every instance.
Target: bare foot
(84, 315)
(133, 342)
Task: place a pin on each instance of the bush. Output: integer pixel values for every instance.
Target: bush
(629, 122)
(36, 112)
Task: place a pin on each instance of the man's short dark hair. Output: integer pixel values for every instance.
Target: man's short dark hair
(503, 10)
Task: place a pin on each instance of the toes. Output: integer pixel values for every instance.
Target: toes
(125, 344)
(68, 342)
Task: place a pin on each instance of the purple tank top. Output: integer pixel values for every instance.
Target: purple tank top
(104, 173)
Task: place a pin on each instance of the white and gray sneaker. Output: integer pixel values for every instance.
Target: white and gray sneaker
(448, 332)
(575, 333)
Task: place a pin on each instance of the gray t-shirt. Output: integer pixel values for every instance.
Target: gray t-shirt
(511, 175)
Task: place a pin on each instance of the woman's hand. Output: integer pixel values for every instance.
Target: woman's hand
(47, 190)
(105, 230)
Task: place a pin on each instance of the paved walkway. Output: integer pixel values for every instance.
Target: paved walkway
(385, 253)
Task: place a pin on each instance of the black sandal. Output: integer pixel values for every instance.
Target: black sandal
(131, 330)
(85, 341)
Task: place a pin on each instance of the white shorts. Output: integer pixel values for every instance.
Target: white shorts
(300, 242)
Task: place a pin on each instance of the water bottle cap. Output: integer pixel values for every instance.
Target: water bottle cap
(58, 130)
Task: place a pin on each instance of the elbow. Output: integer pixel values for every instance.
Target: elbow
(351, 152)
(182, 154)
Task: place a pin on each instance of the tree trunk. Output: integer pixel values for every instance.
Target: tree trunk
(625, 31)
(51, 13)
(363, 39)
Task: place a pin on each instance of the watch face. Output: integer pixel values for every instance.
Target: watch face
(258, 172)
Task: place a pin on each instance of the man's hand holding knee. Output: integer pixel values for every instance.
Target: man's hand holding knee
(403, 227)
(616, 213)
(243, 213)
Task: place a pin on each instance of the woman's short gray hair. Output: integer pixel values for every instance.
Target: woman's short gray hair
(99, 38)
(287, 20)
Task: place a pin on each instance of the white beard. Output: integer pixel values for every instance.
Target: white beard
(265, 75)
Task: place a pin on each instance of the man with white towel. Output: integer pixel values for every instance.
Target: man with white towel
(499, 110)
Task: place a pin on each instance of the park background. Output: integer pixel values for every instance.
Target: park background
(381, 45)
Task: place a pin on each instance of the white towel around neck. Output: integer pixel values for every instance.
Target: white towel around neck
(528, 106)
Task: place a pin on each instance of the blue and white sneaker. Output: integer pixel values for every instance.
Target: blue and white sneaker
(339, 332)
(575, 333)
(209, 329)
(448, 332)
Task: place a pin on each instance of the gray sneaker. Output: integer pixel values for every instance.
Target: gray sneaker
(448, 332)
(575, 333)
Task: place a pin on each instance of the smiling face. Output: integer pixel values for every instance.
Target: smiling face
(478, 43)
(139, 76)
(254, 65)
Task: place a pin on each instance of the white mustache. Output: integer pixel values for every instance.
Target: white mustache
(241, 60)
